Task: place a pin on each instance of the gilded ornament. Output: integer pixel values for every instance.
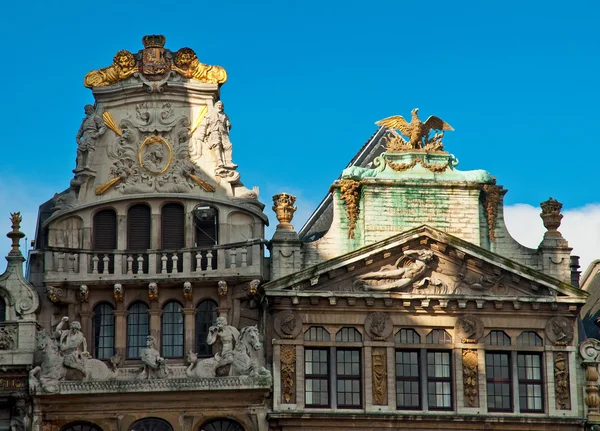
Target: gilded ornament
(561, 381)
(188, 66)
(151, 155)
(417, 131)
(470, 379)
(350, 194)
(153, 292)
(199, 118)
(187, 291)
(283, 205)
(491, 200)
(123, 67)
(288, 370)
(110, 122)
(379, 375)
(107, 185)
(222, 288)
(400, 167)
(118, 292)
(205, 186)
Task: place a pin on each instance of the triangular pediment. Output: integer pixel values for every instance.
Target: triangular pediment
(427, 262)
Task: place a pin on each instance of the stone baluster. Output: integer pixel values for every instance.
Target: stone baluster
(163, 261)
(106, 261)
(95, 261)
(209, 260)
(140, 262)
(175, 259)
(129, 264)
(198, 261)
(71, 263)
(244, 254)
(61, 262)
(232, 262)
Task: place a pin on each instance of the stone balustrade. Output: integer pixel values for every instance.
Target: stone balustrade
(63, 264)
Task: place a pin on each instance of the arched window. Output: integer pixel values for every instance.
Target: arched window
(529, 339)
(105, 237)
(206, 223)
(151, 424)
(2, 309)
(104, 331)
(407, 336)
(172, 330)
(316, 333)
(137, 329)
(81, 426)
(438, 336)
(205, 317)
(497, 338)
(173, 232)
(138, 234)
(348, 335)
(221, 425)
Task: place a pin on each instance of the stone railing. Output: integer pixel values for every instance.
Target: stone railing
(127, 381)
(244, 258)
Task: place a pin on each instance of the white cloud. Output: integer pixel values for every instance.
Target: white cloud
(580, 227)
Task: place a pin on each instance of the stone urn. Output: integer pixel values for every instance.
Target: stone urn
(283, 205)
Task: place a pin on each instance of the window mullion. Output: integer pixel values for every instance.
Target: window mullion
(423, 383)
(514, 376)
(333, 377)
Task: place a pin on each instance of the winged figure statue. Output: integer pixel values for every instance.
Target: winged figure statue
(416, 130)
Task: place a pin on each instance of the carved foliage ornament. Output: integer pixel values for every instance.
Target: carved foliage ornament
(8, 337)
(288, 371)
(350, 194)
(379, 361)
(379, 326)
(470, 366)
(561, 381)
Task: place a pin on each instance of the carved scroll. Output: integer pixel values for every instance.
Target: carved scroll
(561, 381)
(470, 377)
(379, 376)
(288, 371)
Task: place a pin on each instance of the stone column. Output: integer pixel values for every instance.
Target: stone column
(590, 353)
(190, 329)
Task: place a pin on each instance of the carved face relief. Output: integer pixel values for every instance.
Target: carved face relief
(155, 155)
(379, 326)
(559, 331)
(468, 329)
(287, 324)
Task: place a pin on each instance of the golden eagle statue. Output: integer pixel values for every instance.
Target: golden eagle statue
(416, 130)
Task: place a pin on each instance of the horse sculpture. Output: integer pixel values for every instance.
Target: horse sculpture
(52, 370)
(242, 365)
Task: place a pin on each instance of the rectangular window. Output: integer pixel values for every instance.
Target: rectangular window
(348, 384)
(316, 377)
(408, 393)
(529, 366)
(497, 370)
(439, 380)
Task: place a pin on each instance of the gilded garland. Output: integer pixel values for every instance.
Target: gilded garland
(399, 167)
(491, 200)
(350, 194)
(470, 363)
(288, 370)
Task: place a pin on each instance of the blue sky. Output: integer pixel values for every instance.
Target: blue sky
(307, 80)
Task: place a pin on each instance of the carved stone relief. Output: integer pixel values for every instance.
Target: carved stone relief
(379, 364)
(288, 373)
(379, 326)
(559, 330)
(153, 292)
(470, 377)
(561, 381)
(8, 337)
(118, 292)
(468, 329)
(287, 324)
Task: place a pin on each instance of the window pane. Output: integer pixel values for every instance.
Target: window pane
(407, 380)
(316, 377)
(530, 382)
(348, 378)
(205, 317)
(172, 331)
(137, 329)
(499, 397)
(104, 331)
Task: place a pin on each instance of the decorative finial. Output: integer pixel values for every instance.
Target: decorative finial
(15, 235)
(551, 216)
(284, 209)
(154, 41)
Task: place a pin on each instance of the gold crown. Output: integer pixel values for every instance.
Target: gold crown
(154, 41)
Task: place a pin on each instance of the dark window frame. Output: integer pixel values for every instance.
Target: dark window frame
(349, 377)
(411, 378)
(165, 331)
(203, 349)
(313, 334)
(498, 337)
(318, 376)
(499, 381)
(140, 338)
(436, 379)
(97, 325)
(537, 382)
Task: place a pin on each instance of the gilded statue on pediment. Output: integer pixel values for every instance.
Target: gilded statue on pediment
(124, 66)
(188, 66)
(416, 130)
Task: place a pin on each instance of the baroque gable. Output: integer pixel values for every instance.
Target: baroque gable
(426, 262)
